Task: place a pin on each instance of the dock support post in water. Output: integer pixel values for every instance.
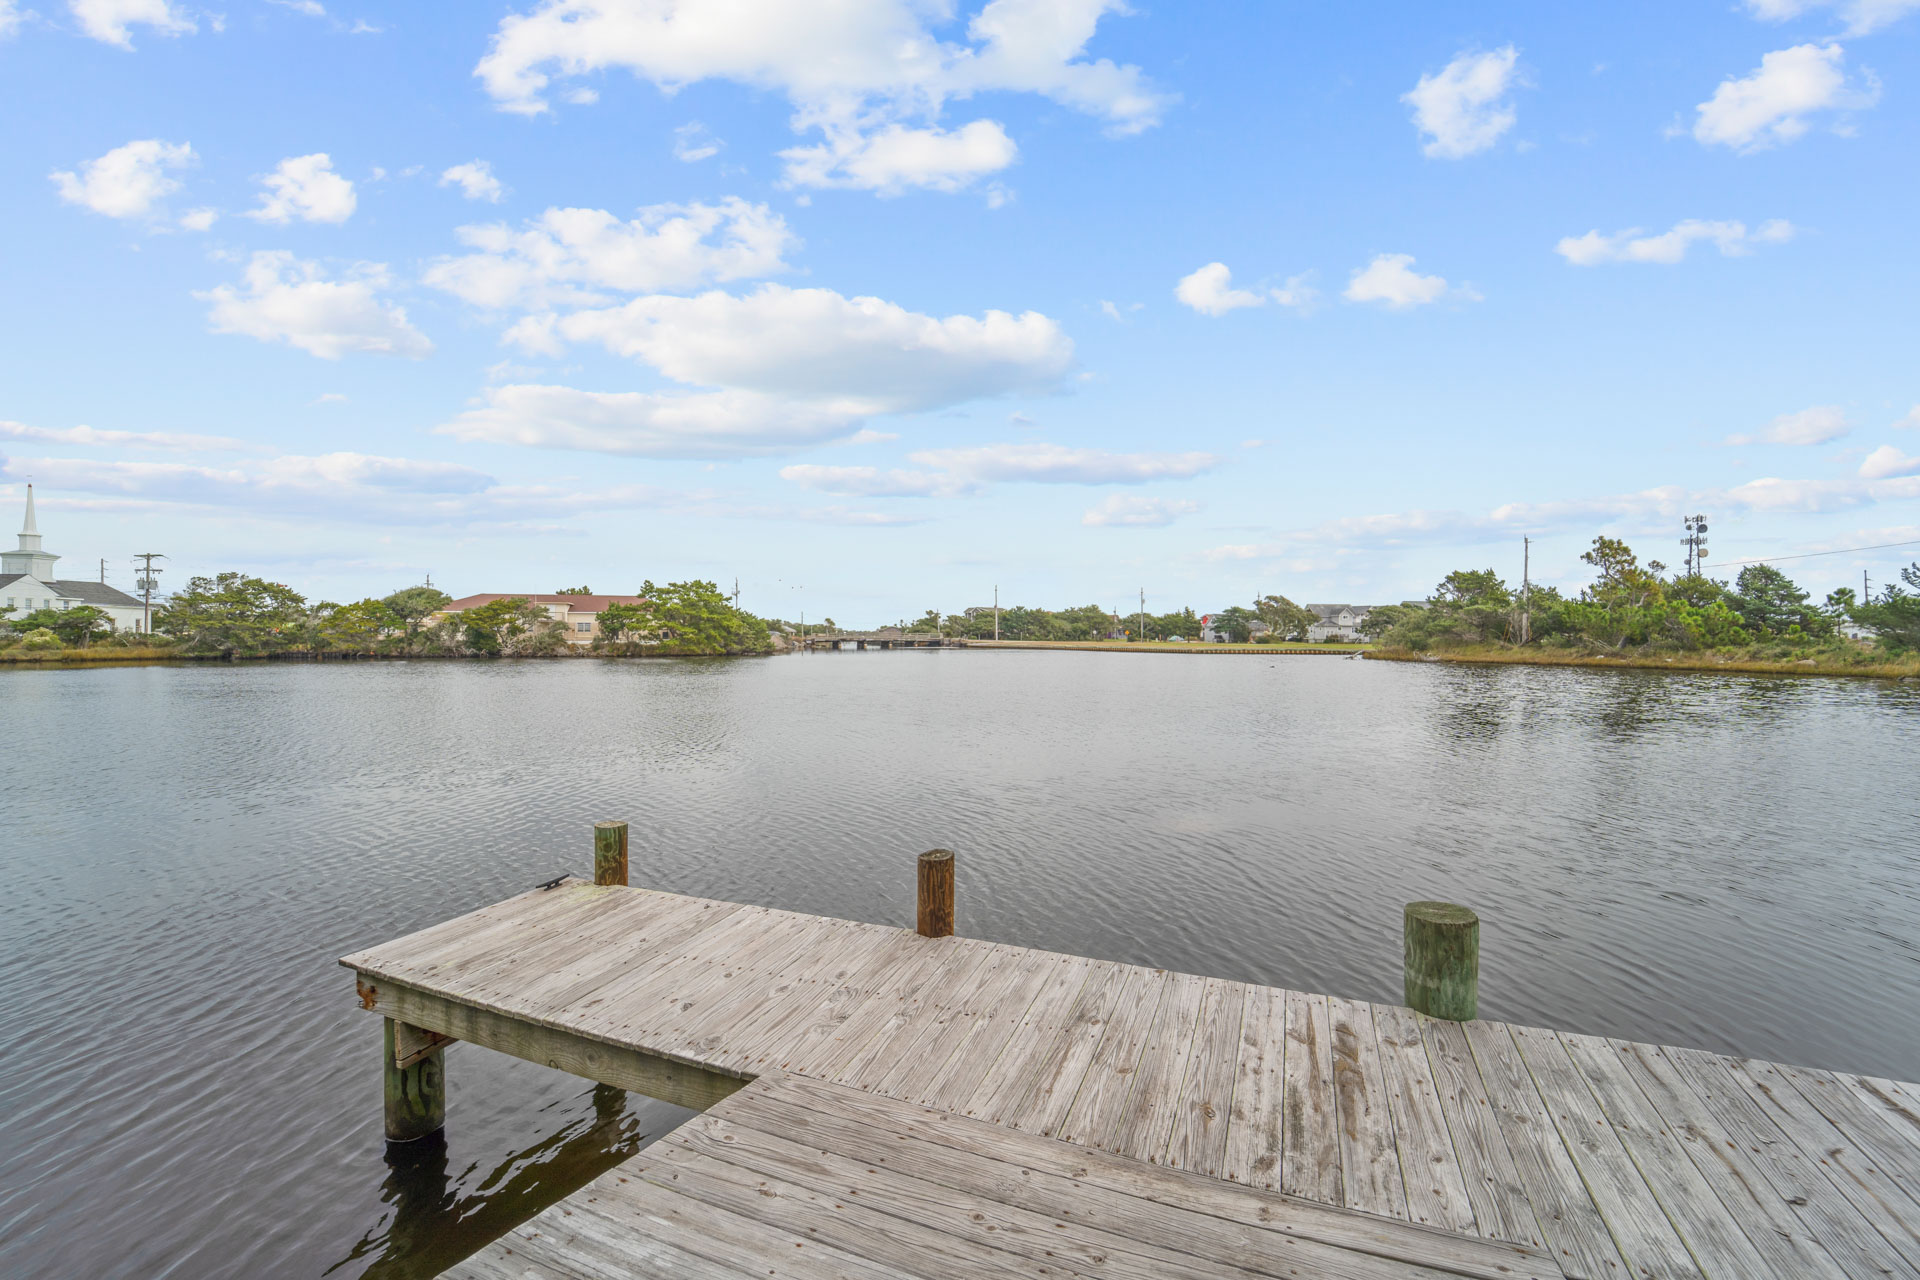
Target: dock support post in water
(416, 1083)
(609, 853)
(1443, 960)
(936, 894)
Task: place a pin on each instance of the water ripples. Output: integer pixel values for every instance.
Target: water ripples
(187, 1088)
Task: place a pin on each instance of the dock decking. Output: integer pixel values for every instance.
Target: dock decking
(958, 1107)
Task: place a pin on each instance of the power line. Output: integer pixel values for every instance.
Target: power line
(1807, 555)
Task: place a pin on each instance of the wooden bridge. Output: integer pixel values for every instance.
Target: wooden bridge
(882, 1103)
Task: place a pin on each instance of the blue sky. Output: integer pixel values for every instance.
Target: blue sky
(878, 309)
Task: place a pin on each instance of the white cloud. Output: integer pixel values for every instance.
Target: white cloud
(10, 18)
(1209, 290)
(127, 181)
(95, 437)
(1771, 105)
(1817, 425)
(311, 8)
(199, 219)
(871, 75)
(1137, 512)
(110, 20)
(872, 482)
(1463, 108)
(1886, 462)
(1911, 421)
(892, 159)
(284, 299)
(1117, 311)
(719, 424)
(1391, 281)
(692, 143)
(1297, 293)
(1861, 16)
(476, 181)
(305, 188)
(1058, 464)
(1668, 247)
(863, 355)
(572, 255)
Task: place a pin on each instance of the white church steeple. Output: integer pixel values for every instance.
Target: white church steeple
(29, 558)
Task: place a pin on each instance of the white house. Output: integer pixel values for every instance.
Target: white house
(27, 584)
(1337, 621)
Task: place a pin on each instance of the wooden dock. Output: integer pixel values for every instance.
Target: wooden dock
(879, 1103)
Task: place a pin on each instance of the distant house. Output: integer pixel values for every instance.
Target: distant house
(580, 615)
(27, 584)
(1209, 634)
(1337, 621)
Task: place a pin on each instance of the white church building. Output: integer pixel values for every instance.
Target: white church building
(27, 584)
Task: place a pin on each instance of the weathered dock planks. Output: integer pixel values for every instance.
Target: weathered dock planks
(889, 1104)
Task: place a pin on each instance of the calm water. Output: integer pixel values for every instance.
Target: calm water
(188, 1088)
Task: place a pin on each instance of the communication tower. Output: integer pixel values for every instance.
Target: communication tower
(1696, 545)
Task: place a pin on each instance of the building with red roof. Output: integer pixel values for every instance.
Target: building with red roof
(580, 615)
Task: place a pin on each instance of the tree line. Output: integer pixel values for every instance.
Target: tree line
(1635, 608)
(236, 615)
(1284, 620)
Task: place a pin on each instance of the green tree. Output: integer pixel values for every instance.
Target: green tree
(412, 606)
(622, 624)
(232, 613)
(357, 628)
(1623, 582)
(1768, 602)
(574, 591)
(487, 628)
(931, 622)
(1383, 618)
(1288, 620)
(1894, 616)
(695, 618)
(76, 627)
(1235, 623)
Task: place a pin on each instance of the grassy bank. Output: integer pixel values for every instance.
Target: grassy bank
(1162, 646)
(1862, 663)
(20, 655)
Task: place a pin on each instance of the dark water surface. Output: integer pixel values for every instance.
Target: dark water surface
(188, 1088)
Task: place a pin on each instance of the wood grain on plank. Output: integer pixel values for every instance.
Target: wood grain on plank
(1647, 1239)
(1576, 1234)
(1501, 1210)
(1693, 1207)
(1369, 1161)
(1256, 1123)
(1436, 1189)
(1204, 1106)
(1310, 1160)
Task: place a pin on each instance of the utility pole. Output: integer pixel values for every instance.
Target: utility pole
(1143, 615)
(103, 573)
(736, 591)
(1526, 589)
(996, 611)
(1865, 594)
(145, 584)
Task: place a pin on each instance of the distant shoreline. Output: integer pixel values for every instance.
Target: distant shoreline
(1161, 646)
(1897, 669)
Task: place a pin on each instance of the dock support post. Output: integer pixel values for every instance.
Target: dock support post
(936, 894)
(416, 1094)
(609, 853)
(1443, 960)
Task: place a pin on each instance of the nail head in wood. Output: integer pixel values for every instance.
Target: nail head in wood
(1443, 960)
(936, 894)
(609, 853)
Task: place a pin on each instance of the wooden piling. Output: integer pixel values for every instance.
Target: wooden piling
(1443, 960)
(936, 894)
(609, 853)
(416, 1094)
